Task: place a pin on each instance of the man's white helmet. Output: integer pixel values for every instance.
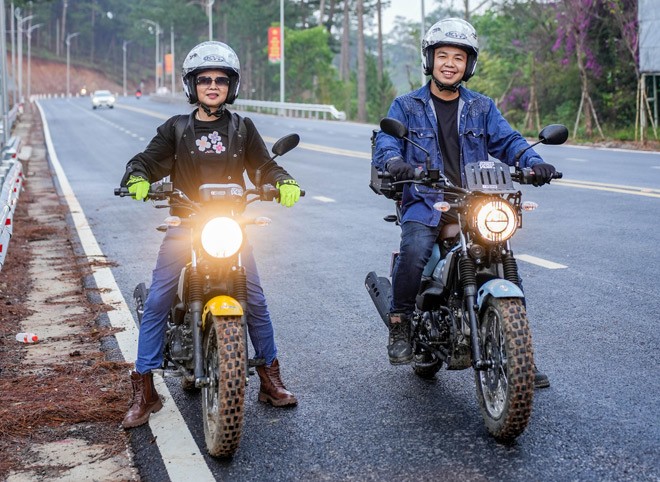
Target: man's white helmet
(455, 32)
(207, 56)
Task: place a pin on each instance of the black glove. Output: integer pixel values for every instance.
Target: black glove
(401, 170)
(543, 173)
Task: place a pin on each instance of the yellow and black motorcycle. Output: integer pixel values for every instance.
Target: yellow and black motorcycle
(206, 335)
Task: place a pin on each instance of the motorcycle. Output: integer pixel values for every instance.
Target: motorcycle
(138, 94)
(470, 309)
(206, 335)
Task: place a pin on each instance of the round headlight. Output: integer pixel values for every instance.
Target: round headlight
(222, 237)
(496, 220)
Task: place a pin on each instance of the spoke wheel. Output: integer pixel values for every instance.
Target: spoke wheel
(223, 398)
(506, 390)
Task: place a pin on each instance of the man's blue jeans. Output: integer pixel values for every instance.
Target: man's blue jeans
(174, 254)
(417, 242)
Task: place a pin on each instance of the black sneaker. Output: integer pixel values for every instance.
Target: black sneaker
(541, 380)
(399, 349)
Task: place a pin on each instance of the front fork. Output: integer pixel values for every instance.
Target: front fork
(468, 274)
(196, 307)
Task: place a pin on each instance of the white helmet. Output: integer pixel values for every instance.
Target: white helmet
(208, 56)
(451, 31)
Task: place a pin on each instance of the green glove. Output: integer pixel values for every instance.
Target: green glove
(289, 192)
(139, 186)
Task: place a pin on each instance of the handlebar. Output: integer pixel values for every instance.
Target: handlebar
(265, 193)
(526, 176)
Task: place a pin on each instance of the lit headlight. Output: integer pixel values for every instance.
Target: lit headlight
(222, 237)
(496, 220)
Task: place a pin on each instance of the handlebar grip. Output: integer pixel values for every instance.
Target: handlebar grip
(122, 192)
(302, 193)
(558, 175)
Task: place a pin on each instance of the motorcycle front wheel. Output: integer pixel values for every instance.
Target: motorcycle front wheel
(506, 390)
(223, 398)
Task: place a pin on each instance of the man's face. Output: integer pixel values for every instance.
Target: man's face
(449, 64)
(212, 94)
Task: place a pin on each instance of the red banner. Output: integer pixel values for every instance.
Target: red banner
(274, 47)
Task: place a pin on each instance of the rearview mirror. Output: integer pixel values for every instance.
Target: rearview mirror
(553, 134)
(393, 127)
(285, 144)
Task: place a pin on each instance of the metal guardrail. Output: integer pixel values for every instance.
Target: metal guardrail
(11, 178)
(290, 109)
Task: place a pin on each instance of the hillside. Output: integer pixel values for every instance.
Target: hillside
(49, 77)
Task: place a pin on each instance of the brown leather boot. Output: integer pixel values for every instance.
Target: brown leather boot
(272, 390)
(145, 400)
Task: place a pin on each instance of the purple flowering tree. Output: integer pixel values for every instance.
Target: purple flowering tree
(574, 19)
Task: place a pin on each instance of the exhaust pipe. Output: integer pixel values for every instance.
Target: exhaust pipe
(380, 290)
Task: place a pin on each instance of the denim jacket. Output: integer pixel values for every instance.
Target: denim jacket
(482, 131)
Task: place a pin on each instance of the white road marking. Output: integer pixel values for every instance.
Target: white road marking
(544, 263)
(600, 186)
(183, 460)
(576, 159)
(324, 199)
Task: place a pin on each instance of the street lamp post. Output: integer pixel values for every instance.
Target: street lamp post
(19, 28)
(158, 31)
(123, 47)
(209, 6)
(68, 45)
(29, 73)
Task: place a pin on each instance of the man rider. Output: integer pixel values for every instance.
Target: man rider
(455, 125)
(209, 145)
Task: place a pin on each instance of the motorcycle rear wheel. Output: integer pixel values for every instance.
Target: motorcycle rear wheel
(224, 397)
(506, 390)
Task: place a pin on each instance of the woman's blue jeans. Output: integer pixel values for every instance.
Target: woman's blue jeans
(173, 256)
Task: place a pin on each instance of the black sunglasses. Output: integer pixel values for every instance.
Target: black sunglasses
(207, 81)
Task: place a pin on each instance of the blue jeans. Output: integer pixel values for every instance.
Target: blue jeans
(174, 254)
(417, 241)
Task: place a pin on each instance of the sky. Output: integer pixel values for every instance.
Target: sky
(411, 9)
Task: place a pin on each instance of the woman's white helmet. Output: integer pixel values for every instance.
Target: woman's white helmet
(451, 31)
(207, 56)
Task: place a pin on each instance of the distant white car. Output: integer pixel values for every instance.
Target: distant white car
(103, 98)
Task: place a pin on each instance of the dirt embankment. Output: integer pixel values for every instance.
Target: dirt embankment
(49, 77)
(63, 398)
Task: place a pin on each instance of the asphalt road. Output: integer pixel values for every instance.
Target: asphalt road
(594, 321)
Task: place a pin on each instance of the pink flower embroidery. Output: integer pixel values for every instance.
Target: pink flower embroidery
(219, 148)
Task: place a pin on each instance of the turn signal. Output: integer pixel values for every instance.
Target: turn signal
(529, 206)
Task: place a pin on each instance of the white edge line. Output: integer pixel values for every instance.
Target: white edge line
(539, 261)
(168, 426)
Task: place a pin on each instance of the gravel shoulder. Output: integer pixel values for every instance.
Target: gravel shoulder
(63, 398)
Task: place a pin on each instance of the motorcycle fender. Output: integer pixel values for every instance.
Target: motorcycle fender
(222, 306)
(498, 288)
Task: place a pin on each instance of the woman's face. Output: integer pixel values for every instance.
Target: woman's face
(212, 87)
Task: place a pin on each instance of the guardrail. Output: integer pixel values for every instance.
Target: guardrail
(291, 109)
(11, 178)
